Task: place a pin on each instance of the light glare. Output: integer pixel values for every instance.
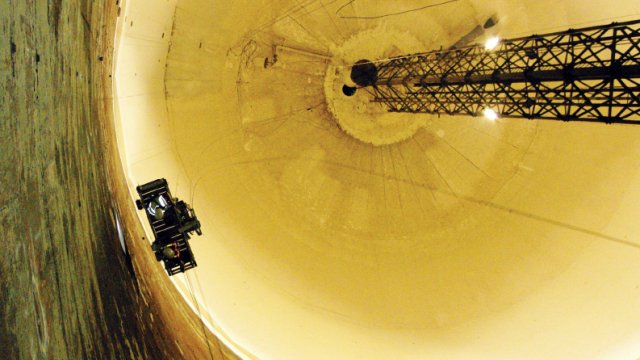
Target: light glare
(490, 114)
(492, 43)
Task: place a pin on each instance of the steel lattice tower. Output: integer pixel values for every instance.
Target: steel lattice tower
(588, 74)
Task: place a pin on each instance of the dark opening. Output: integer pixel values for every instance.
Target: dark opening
(348, 90)
(491, 22)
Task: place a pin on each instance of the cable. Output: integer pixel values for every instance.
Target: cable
(390, 14)
(195, 302)
(292, 10)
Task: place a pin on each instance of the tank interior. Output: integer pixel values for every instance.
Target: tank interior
(334, 229)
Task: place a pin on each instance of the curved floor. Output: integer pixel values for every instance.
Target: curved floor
(506, 239)
(67, 289)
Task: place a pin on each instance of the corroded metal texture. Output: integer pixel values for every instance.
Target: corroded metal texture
(66, 288)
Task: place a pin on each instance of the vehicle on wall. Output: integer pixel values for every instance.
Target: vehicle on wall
(173, 222)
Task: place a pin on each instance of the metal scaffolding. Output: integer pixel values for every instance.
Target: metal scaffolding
(589, 74)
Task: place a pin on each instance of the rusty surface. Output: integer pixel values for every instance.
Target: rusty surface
(66, 288)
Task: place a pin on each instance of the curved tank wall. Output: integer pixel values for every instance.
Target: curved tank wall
(468, 239)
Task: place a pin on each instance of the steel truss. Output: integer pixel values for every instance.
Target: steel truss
(589, 74)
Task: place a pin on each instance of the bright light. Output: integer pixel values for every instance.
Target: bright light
(492, 43)
(490, 114)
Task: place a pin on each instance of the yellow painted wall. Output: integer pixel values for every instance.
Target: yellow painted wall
(470, 240)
